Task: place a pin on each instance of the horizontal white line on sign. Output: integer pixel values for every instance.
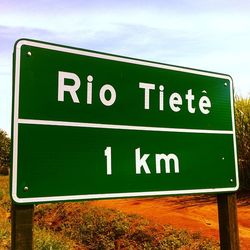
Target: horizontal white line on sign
(124, 127)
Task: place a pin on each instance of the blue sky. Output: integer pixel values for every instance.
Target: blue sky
(209, 35)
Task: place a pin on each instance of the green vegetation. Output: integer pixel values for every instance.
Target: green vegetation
(46, 240)
(242, 118)
(68, 226)
(102, 228)
(4, 152)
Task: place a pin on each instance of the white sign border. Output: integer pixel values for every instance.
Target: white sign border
(16, 121)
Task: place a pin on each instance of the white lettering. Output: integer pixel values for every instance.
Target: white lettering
(68, 88)
(190, 97)
(147, 87)
(141, 162)
(204, 105)
(89, 89)
(103, 99)
(167, 159)
(107, 153)
(175, 100)
(161, 97)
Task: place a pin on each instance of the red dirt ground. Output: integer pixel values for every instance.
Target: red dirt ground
(193, 213)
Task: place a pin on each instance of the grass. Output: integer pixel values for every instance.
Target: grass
(45, 239)
(68, 226)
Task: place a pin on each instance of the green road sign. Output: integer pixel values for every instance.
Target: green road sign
(89, 125)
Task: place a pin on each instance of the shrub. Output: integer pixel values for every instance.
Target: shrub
(4, 149)
(97, 228)
(102, 228)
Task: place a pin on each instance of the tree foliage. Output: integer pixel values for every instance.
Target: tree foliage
(4, 149)
(242, 118)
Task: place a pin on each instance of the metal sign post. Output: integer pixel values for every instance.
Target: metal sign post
(22, 227)
(228, 223)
